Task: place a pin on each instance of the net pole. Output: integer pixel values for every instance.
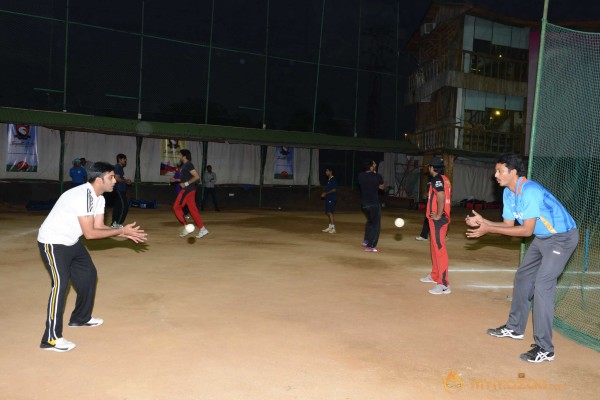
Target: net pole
(264, 110)
(536, 96)
(66, 60)
(318, 67)
(357, 68)
(139, 116)
(210, 46)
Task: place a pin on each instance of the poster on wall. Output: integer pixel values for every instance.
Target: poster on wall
(169, 160)
(284, 162)
(21, 153)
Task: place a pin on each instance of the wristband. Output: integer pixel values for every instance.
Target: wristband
(186, 184)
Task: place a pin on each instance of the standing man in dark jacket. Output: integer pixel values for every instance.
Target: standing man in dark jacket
(370, 183)
(120, 206)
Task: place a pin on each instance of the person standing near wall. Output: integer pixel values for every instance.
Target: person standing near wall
(78, 211)
(540, 214)
(330, 196)
(371, 183)
(438, 213)
(77, 173)
(187, 196)
(209, 180)
(120, 206)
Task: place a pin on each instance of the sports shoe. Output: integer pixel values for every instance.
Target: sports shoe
(537, 355)
(503, 331)
(427, 279)
(184, 232)
(371, 249)
(61, 345)
(326, 230)
(420, 238)
(115, 225)
(203, 232)
(440, 289)
(332, 230)
(364, 243)
(187, 217)
(92, 322)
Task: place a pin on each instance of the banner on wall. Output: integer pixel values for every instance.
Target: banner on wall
(284, 162)
(170, 156)
(21, 153)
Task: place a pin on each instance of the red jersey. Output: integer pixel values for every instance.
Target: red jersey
(439, 183)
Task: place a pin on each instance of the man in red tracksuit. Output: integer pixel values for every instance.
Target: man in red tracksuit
(187, 196)
(438, 214)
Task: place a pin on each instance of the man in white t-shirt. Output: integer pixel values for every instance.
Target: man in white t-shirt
(78, 211)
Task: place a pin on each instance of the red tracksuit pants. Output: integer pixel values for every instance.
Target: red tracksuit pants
(188, 199)
(439, 252)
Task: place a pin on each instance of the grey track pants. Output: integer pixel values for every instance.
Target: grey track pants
(535, 280)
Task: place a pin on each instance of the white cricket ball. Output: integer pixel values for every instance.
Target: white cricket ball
(189, 228)
(399, 222)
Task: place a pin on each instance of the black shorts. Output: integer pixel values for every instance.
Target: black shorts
(330, 206)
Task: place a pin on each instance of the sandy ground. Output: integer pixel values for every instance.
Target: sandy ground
(269, 307)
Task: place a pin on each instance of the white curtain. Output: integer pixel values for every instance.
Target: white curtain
(98, 147)
(473, 180)
(234, 163)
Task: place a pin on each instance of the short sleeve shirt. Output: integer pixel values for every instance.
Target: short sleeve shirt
(532, 200)
(78, 174)
(186, 174)
(119, 171)
(331, 184)
(62, 226)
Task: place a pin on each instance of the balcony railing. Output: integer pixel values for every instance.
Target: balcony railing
(450, 136)
(469, 62)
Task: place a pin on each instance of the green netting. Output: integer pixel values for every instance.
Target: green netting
(565, 157)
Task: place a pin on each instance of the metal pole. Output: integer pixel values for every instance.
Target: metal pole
(210, 43)
(66, 60)
(538, 79)
(318, 67)
(357, 68)
(266, 67)
(141, 65)
(61, 161)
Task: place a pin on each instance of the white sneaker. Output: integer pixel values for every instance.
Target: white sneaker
(326, 230)
(420, 238)
(92, 322)
(427, 279)
(61, 345)
(203, 232)
(440, 289)
(184, 232)
(332, 230)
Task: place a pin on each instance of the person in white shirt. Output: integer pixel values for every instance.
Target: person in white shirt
(209, 179)
(78, 211)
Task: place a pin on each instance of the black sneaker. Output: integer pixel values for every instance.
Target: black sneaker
(92, 322)
(502, 331)
(537, 355)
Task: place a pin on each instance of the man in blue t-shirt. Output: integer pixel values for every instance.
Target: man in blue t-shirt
(330, 196)
(539, 213)
(77, 173)
(371, 183)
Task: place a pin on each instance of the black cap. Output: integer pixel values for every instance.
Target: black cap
(437, 161)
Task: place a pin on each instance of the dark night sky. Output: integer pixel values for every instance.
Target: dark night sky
(104, 64)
